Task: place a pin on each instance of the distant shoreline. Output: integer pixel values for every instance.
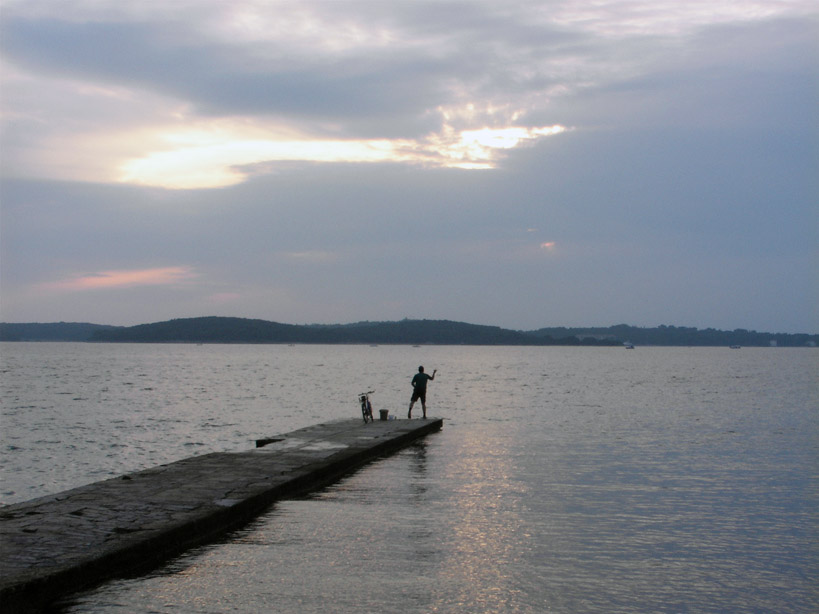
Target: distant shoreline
(227, 330)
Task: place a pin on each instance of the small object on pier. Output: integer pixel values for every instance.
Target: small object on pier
(261, 443)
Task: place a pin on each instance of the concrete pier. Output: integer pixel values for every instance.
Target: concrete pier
(63, 543)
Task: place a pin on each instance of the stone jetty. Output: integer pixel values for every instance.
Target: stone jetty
(59, 544)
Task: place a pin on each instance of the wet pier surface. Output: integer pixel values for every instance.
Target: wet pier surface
(55, 545)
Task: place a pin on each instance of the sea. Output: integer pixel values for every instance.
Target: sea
(565, 479)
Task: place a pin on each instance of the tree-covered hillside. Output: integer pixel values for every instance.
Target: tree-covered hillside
(54, 331)
(215, 329)
(684, 336)
(240, 330)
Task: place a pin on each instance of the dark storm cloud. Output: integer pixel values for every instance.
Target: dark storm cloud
(216, 78)
(382, 91)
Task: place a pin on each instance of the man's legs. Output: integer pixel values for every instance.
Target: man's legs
(415, 396)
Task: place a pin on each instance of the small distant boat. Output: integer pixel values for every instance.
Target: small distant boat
(628, 345)
(735, 347)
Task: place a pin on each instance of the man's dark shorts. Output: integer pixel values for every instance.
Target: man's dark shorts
(419, 394)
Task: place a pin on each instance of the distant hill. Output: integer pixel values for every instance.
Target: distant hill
(215, 329)
(241, 330)
(684, 336)
(55, 331)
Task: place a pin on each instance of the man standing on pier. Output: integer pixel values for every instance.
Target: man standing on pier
(419, 389)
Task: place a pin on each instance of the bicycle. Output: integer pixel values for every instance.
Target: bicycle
(366, 406)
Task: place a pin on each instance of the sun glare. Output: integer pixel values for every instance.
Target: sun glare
(505, 138)
(218, 165)
(200, 160)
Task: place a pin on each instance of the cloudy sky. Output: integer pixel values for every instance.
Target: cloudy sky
(521, 163)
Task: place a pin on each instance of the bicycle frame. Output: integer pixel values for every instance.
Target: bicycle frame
(366, 406)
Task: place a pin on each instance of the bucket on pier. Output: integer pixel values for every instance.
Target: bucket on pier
(384, 413)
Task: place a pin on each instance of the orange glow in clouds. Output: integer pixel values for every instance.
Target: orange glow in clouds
(125, 279)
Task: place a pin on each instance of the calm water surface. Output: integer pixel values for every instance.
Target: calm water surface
(565, 479)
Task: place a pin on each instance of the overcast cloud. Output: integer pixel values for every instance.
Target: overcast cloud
(522, 164)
